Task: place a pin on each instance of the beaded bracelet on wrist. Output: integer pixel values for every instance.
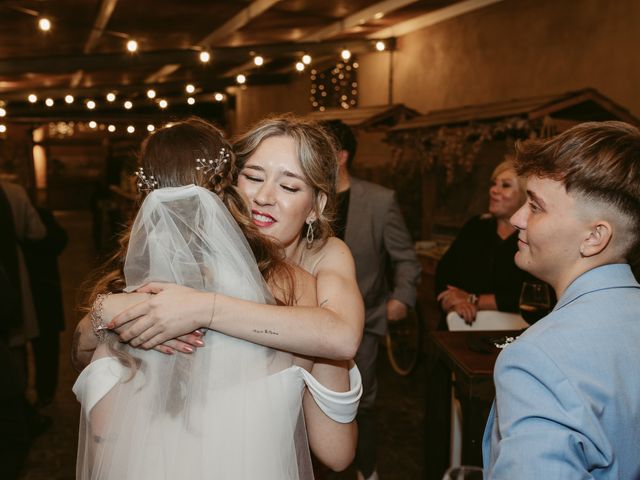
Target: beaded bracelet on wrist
(96, 316)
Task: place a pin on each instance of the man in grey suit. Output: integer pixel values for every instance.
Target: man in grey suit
(370, 222)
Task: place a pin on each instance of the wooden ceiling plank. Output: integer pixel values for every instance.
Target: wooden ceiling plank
(432, 18)
(357, 18)
(242, 18)
(102, 19)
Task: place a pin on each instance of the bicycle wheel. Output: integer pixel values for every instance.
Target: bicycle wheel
(404, 342)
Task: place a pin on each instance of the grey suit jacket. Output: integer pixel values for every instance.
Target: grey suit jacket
(375, 233)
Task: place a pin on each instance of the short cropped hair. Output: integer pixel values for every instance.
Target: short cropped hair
(598, 160)
(344, 138)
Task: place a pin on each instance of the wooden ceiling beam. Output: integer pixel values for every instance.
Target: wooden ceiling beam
(336, 28)
(122, 60)
(375, 11)
(102, 19)
(242, 18)
(432, 18)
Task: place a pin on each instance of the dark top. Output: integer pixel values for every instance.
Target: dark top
(479, 261)
(41, 257)
(342, 209)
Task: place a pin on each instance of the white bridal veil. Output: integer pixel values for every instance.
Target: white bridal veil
(228, 411)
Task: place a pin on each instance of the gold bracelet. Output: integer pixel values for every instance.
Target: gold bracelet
(96, 314)
(213, 310)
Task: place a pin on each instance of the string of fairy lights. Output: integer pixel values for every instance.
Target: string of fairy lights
(335, 86)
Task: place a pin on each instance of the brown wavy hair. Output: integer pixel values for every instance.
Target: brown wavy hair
(170, 154)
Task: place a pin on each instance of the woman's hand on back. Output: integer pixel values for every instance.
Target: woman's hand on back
(171, 312)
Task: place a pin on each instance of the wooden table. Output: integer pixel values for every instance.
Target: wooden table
(450, 352)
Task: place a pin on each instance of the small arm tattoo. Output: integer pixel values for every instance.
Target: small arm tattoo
(323, 303)
(266, 331)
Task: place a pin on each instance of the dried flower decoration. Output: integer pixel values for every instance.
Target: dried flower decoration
(144, 183)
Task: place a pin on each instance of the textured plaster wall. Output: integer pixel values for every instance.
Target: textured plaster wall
(513, 49)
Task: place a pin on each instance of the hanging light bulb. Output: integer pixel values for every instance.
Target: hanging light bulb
(306, 59)
(380, 46)
(3, 128)
(91, 104)
(111, 128)
(151, 93)
(128, 105)
(111, 97)
(218, 97)
(92, 124)
(163, 103)
(205, 56)
(69, 99)
(299, 66)
(191, 100)
(258, 60)
(345, 54)
(241, 79)
(190, 88)
(132, 46)
(49, 102)
(32, 98)
(3, 112)
(131, 129)
(44, 24)
(150, 128)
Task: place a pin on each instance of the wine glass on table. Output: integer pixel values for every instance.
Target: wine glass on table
(535, 301)
(463, 472)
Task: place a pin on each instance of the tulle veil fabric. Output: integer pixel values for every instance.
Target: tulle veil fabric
(229, 411)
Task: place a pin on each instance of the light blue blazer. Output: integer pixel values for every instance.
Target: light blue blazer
(568, 390)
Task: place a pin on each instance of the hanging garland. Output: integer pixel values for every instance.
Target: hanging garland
(454, 147)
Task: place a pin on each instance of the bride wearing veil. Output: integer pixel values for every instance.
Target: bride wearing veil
(232, 409)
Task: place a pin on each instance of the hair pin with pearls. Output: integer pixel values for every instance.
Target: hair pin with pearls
(145, 183)
(214, 167)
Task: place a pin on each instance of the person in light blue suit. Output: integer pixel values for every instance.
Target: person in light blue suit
(567, 391)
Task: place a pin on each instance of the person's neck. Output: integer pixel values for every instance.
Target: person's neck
(505, 229)
(344, 180)
(582, 266)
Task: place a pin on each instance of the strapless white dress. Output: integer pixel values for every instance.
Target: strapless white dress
(205, 426)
